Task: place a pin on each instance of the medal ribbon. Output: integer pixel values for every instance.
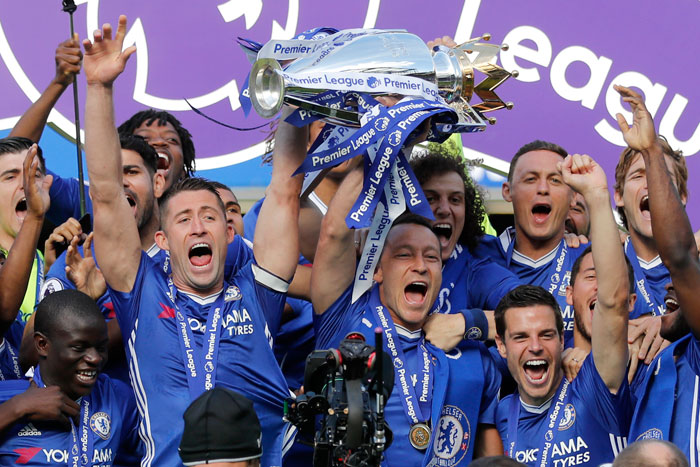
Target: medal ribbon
(416, 408)
(450, 274)
(200, 363)
(391, 144)
(15, 362)
(391, 206)
(640, 279)
(554, 415)
(81, 447)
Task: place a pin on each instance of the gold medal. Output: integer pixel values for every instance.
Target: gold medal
(419, 436)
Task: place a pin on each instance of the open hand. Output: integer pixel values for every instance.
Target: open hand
(641, 135)
(83, 271)
(36, 184)
(104, 58)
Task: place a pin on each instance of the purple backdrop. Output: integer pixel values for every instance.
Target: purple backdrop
(568, 53)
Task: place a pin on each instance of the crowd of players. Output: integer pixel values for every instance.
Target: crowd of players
(544, 343)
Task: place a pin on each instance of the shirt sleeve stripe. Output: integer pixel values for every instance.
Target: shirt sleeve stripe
(269, 280)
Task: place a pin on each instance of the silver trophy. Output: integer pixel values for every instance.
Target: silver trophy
(384, 53)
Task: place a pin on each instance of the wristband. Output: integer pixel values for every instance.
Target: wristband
(476, 326)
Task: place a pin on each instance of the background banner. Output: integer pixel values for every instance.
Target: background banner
(569, 54)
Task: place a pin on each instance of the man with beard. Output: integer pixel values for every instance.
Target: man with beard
(143, 186)
(667, 400)
(437, 395)
(191, 328)
(578, 222)
(551, 421)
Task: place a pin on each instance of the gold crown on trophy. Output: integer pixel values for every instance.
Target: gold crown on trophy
(473, 55)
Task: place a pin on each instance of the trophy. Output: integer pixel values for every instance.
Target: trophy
(383, 63)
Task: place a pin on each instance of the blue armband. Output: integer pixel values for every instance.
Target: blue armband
(476, 326)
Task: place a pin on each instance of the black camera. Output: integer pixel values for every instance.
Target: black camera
(341, 412)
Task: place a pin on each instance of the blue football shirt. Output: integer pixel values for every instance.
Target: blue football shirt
(112, 422)
(470, 396)
(551, 272)
(246, 363)
(591, 426)
(650, 279)
(9, 352)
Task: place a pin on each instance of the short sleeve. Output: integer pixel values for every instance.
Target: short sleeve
(489, 283)
(65, 199)
(612, 411)
(338, 319)
(127, 304)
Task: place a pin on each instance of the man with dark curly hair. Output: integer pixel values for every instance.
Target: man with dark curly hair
(470, 284)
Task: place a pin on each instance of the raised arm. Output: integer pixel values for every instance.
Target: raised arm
(32, 123)
(276, 245)
(14, 275)
(610, 315)
(669, 221)
(334, 262)
(117, 243)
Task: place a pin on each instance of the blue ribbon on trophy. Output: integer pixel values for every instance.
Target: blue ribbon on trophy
(335, 78)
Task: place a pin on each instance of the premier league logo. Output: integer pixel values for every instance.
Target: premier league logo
(398, 364)
(232, 293)
(381, 123)
(372, 82)
(452, 437)
(549, 436)
(209, 367)
(100, 423)
(567, 421)
(333, 141)
(395, 138)
(84, 459)
(50, 286)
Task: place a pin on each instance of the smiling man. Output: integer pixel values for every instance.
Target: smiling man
(190, 329)
(457, 390)
(69, 413)
(535, 248)
(549, 420)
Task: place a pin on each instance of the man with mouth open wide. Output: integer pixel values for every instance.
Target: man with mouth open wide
(535, 248)
(550, 421)
(667, 400)
(190, 330)
(632, 200)
(14, 210)
(443, 404)
(69, 413)
(470, 283)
